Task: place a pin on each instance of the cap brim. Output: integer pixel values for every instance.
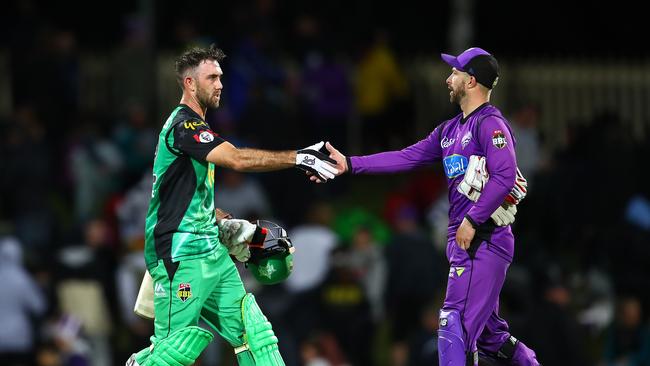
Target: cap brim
(451, 61)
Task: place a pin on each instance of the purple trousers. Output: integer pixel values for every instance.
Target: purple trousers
(473, 290)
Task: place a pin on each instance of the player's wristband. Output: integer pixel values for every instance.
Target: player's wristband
(349, 162)
(471, 221)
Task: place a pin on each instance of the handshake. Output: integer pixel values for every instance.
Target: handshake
(317, 164)
(476, 176)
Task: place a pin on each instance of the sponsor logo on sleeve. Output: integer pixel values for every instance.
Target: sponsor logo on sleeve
(455, 165)
(193, 125)
(499, 139)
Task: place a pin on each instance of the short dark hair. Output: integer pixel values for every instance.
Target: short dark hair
(193, 57)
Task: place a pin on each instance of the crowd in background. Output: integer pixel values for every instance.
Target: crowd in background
(370, 269)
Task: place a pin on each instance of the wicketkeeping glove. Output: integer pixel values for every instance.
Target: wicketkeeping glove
(519, 191)
(504, 216)
(476, 176)
(311, 160)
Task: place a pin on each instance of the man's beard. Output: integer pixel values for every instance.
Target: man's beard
(457, 95)
(206, 100)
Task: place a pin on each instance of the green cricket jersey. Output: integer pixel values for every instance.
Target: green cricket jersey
(181, 219)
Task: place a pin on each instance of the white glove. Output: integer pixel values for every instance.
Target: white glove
(311, 160)
(504, 216)
(519, 191)
(476, 176)
(236, 234)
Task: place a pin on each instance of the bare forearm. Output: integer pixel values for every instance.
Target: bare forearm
(254, 160)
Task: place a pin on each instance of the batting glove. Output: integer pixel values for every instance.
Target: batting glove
(311, 160)
(236, 234)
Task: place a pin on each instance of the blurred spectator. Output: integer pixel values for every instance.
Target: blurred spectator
(23, 304)
(415, 273)
(95, 163)
(530, 156)
(348, 221)
(627, 342)
(346, 311)
(131, 213)
(252, 66)
(423, 343)
(326, 91)
(552, 327)
(27, 163)
(321, 350)
(438, 220)
(87, 271)
(132, 68)
(313, 240)
(380, 87)
(241, 196)
(136, 141)
(59, 93)
(637, 212)
(64, 334)
(365, 259)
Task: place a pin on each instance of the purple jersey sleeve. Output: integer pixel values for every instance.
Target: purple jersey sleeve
(498, 147)
(422, 153)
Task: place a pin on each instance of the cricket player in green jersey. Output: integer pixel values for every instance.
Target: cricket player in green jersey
(193, 275)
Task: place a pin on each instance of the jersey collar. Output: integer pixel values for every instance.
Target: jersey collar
(464, 119)
(191, 111)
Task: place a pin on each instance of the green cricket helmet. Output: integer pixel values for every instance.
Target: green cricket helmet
(271, 260)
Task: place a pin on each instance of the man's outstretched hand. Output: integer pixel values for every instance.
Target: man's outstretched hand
(316, 163)
(341, 162)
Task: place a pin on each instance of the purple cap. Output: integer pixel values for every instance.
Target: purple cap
(476, 62)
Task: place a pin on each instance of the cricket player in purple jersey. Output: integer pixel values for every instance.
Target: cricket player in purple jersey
(475, 144)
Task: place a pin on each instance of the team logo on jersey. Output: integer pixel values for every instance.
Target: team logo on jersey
(455, 165)
(465, 140)
(184, 291)
(499, 139)
(446, 142)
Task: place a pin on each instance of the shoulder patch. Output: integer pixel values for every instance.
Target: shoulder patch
(499, 139)
(204, 136)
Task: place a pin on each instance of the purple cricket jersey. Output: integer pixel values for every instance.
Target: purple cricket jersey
(483, 132)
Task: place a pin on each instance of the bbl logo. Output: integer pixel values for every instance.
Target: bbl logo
(184, 291)
(499, 139)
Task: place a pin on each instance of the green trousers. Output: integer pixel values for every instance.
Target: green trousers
(208, 287)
